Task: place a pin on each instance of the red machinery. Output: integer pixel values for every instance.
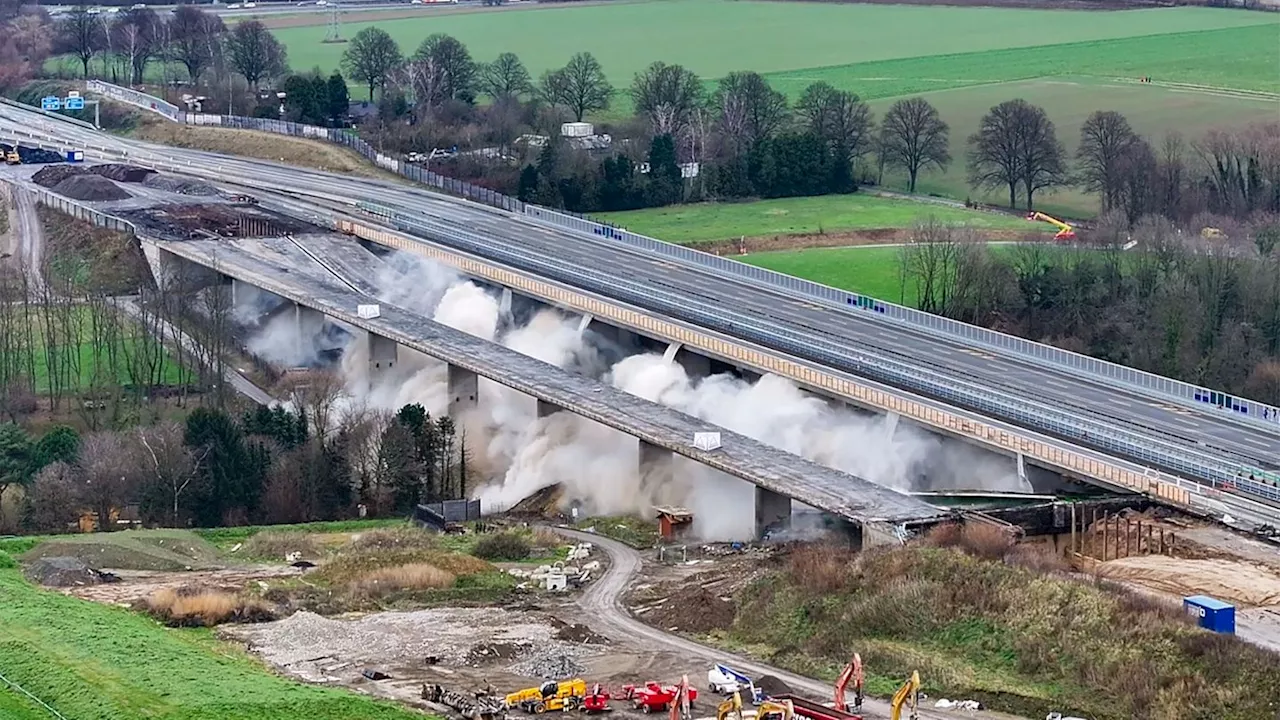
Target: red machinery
(596, 701)
(653, 696)
(840, 708)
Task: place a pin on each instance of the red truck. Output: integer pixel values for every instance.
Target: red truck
(653, 696)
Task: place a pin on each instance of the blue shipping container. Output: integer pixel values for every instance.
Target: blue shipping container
(1211, 614)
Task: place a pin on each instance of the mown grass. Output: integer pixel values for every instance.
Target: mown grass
(628, 530)
(134, 550)
(707, 222)
(1020, 640)
(868, 270)
(93, 661)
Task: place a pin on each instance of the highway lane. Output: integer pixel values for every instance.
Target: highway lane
(1248, 443)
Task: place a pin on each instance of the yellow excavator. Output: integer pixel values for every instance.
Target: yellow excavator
(908, 695)
(732, 704)
(1065, 233)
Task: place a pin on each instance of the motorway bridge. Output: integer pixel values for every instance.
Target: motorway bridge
(1082, 418)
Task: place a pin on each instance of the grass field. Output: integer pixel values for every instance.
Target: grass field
(693, 224)
(761, 36)
(87, 363)
(869, 270)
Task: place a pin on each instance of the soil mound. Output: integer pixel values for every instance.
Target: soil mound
(54, 174)
(166, 550)
(694, 609)
(63, 572)
(179, 185)
(122, 173)
(90, 188)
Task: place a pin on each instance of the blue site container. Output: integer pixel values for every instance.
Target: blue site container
(75, 156)
(1211, 614)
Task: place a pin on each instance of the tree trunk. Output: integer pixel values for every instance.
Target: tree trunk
(912, 184)
(1013, 195)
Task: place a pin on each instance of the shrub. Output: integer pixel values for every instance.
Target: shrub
(502, 546)
(546, 538)
(7, 562)
(204, 608)
(821, 568)
(272, 545)
(418, 576)
(976, 538)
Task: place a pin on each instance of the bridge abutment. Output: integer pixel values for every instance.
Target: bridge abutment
(464, 390)
(547, 408)
(656, 462)
(772, 510)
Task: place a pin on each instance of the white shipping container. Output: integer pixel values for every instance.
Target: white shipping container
(577, 129)
(706, 440)
(368, 312)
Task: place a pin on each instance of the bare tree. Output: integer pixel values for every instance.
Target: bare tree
(255, 52)
(667, 95)
(80, 32)
(506, 76)
(170, 465)
(749, 109)
(136, 39)
(108, 474)
(1105, 140)
(580, 86)
(840, 118)
(914, 137)
(316, 396)
(452, 61)
(370, 57)
(191, 32)
(51, 498)
(1016, 146)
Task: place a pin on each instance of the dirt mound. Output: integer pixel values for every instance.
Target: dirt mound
(64, 572)
(37, 156)
(54, 174)
(132, 550)
(694, 609)
(1233, 581)
(122, 173)
(180, 186)
(542, 503)
(772, 686)
(91, 188)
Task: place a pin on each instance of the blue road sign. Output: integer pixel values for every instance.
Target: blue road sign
(50, 103)
(74, 103)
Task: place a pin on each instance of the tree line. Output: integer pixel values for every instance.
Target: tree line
(1202, 310)
(268, 465)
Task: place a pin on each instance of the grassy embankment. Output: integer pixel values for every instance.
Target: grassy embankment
(1000, 630)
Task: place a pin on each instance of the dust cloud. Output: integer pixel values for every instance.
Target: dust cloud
(518, 453)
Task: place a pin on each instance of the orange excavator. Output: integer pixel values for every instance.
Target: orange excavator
(1065, 233)
(837, 710)
(852, 672)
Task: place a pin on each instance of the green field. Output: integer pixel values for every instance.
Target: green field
(869, 270)
(92, 661)
(706, 222)
(714, 37)
(87, 362)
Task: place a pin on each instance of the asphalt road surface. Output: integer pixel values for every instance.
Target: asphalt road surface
(602, 603)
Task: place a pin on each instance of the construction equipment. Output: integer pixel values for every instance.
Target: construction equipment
(12, 157)
(481, 706)
(682, 703)
(909, 695)
(776, 710)
(852, 672)
(732, 705)
(596, 701)
(654, 696)
(724, 680)
(810, 710)
(551, 695)
(1065, 232)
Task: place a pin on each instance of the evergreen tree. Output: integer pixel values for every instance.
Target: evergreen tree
(60, 444)
(665, 187)
(231, 475)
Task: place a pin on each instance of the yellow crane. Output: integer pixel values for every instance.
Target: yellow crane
(1065, 232)
(909, 695)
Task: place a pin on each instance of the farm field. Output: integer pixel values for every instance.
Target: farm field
(867, 270)
(714, 37)
(86, 363)
(707, 222)
(1153, 111)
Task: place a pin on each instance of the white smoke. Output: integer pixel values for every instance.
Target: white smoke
(597, 467)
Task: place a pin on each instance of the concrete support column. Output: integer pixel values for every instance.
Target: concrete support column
(772, 510)
(584, 322)
(464, 390)
(307, 322)
(891, 424)
(1022, 467)
(382, 355)
(547, 408)
(657, 462)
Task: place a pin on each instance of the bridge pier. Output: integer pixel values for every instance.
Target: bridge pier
(546, 409)
(695, 365)
(307, 323)
(382, 355)
(891, 424)
(464, 390)
(1022, 468)
(658, 462)
(772, 510)
(504, 305)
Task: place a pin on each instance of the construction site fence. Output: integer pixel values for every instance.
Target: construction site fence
(1111, 537)
(1251, 480)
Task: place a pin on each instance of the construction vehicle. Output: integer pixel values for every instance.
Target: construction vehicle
(12, 157)
(549, 696)
(682, 703)
(852, 672)
(596, 701)
(908, 695)
(1065, 232)
(481, 706)
(732, 705)
(838, 709)
(776, 710)
(724, 680)
(653, 696)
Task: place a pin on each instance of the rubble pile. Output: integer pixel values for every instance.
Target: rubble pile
(181, 186)
(54, 174)
(90, 188)
(693, 609)
(65, 572)
(121, 172)
(552, 663)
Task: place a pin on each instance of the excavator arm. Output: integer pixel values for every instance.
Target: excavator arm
(852, 672)
(1065, 231)
(732, 705)
(909, 695)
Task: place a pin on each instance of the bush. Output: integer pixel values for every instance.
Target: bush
(196, 607)
(418, 576)
(976, 538)
(503, 546)
(7, 562)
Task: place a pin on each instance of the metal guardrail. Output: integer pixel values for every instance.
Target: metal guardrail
(1037, 353)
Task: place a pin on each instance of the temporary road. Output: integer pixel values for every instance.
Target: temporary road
(603, 265)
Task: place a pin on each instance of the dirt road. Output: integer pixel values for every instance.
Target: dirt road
(603, 604)
(28, 235)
